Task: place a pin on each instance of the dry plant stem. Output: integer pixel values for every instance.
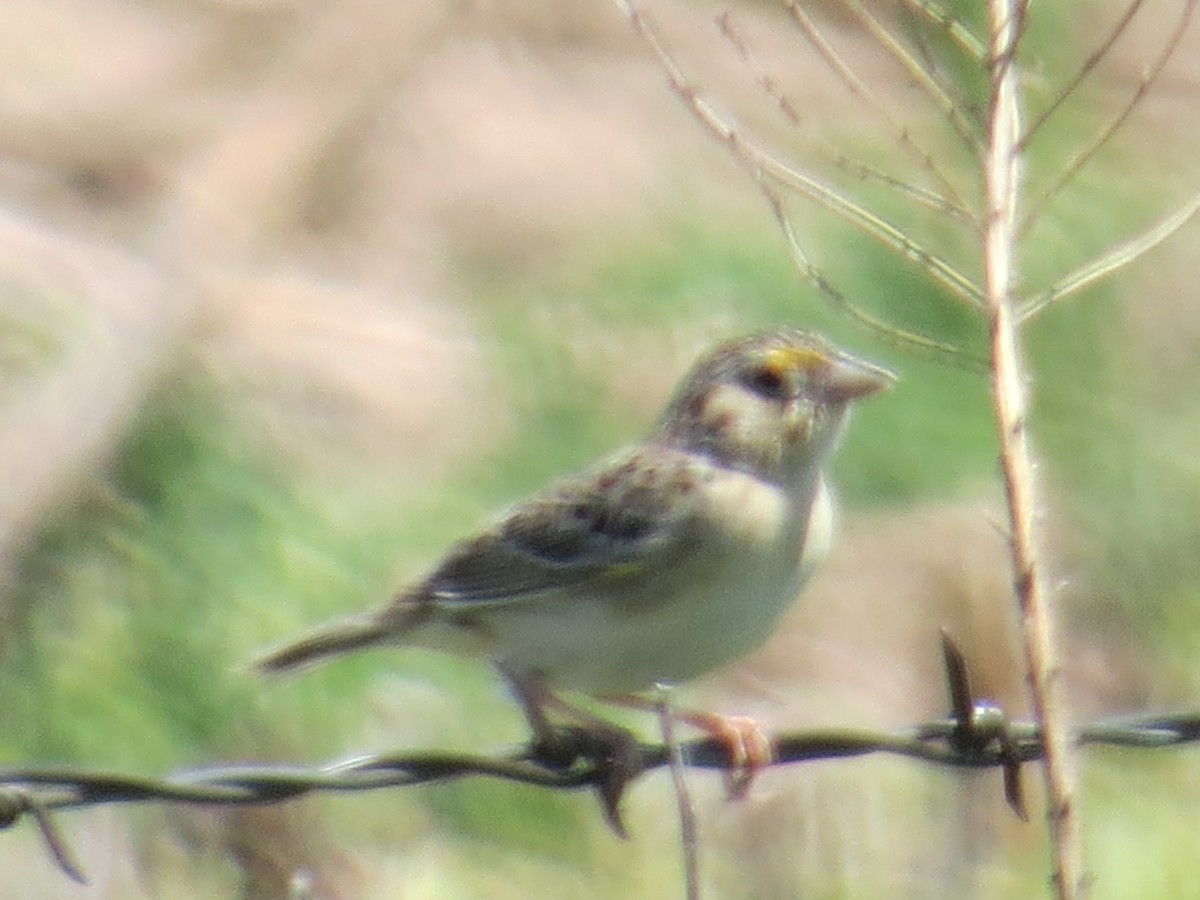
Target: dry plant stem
(856, 168)
(1001, 187)
(920, 73)
(769, 167)
(950, 206)
(957, 31)
(1085, 154)
(1102, 266)
(859, 88)
(932, 349)
(1086, 69)
(687, 813)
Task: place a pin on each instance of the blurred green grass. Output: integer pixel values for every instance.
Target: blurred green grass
(202, 543)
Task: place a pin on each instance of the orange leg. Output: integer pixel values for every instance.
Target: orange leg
(748, 747)
(536, 699)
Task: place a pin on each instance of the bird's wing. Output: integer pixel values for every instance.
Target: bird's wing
(603, 522)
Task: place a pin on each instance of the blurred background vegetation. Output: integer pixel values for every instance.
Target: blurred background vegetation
(294, 294)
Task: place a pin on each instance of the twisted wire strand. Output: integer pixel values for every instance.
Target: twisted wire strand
(977, 734)
(987, 740)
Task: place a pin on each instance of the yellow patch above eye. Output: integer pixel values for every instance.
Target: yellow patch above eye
(786, 359)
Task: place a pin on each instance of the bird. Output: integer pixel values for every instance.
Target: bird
(658, 564)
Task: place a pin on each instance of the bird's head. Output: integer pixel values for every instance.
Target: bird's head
(772, 404)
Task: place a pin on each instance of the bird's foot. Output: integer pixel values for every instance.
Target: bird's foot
(748, 748)
(612, 756)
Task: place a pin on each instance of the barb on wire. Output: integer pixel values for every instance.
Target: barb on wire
(976, 734)
(978, 724)
(15, 803)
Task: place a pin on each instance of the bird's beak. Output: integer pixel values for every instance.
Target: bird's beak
(847, 379)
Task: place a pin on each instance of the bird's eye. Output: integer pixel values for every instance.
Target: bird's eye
(768, 381)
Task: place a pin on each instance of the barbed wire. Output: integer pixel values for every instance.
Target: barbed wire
(977, 734)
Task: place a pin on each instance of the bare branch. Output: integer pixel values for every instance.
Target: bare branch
(764, 165)
(887, 331)
(856, 168)
(1085, 155)
(688, 838)
(1009, 400)
(946, 104)
(857, 87)
(927, 199)
(765, 81)
(1116, 258)
(958, 32)
(1084, 70)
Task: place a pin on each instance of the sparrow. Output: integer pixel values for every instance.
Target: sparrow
(663, 562)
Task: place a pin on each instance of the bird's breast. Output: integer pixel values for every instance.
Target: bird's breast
(747, 513)
(672, 619)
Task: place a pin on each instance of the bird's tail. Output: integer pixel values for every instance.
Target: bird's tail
(333, 640)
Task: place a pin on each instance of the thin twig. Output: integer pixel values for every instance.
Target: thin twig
(765, 165)
(919, 72)
(887, 331)
(1002, 189)
(1085, 69)
(1107, 263)
(765, 81)
(688, 839)
(966, 40)
(889, 235)
(1083, 156)
(856, 168)
(923, 197)
(858, 88)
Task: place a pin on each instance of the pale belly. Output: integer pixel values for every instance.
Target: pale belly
(596, 649)
(699, 615)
